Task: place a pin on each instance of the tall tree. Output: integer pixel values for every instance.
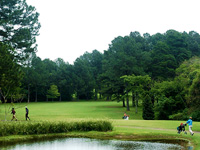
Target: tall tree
(163, 62)
(193, 40)
(65, 78)
(188, 75)
(84, 81)
(10, 77)
(96, 64)
(124, 57)
(148, 112)
(178, 46)
(10, 72)
(138, 85)
(194, 92)
(19, 26)
(53, 92)
(170, 98)
(94, 61)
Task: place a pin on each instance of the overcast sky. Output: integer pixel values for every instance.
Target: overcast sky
(69, 28)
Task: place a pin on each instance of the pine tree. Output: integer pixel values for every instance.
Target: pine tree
(18, 26)
(53, 92)
(148, 112)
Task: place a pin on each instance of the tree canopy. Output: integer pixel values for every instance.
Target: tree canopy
(19, 26)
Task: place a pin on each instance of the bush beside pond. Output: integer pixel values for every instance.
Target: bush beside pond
(45, 127)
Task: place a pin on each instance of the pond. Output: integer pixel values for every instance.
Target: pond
(92, 144)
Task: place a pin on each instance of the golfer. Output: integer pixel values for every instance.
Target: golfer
(189, 122)
(27, 111)
(13, 112)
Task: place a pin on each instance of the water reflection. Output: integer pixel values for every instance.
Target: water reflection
(93, 144)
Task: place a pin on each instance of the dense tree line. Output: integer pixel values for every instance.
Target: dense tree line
(162, 70)
(95, 73)
(133, 67)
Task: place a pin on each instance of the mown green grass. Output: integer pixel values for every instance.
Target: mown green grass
(134, 129)
(58, 111)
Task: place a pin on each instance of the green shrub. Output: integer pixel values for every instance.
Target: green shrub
(180, 116)
(196, 116)
(29, 128)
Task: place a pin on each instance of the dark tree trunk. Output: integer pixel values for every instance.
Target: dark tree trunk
(124, 105)
(127, 102)
(153, 99)
(108, 98)
(36, 95)
(2, 98)
(60, 98)
(100, 96)
(95, 97)
(133, 99)
(136, 105)
(127, 99)
(28, 93)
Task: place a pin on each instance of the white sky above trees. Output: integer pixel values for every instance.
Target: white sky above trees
(72, 27)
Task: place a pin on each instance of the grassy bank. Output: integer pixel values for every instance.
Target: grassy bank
(133, 129)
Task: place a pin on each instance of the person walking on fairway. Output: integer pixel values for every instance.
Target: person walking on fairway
(13, 112)
(27, 111)
(189, 122)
